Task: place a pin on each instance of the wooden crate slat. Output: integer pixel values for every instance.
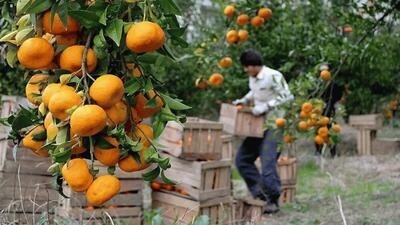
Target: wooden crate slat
(369, 121)
(128, 199)
(249, 210)
(119, 212)
(287, 194)
(28, 205)
(227, 146)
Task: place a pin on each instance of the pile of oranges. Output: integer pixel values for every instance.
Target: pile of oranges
(88, 116)
(168, 187)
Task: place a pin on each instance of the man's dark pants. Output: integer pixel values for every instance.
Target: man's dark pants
(267, 184)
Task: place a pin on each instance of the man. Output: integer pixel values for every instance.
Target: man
(268, 90)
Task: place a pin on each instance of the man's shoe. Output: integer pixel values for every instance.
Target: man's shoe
(271, 208)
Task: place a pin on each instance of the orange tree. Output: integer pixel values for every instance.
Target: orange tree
(90, 66)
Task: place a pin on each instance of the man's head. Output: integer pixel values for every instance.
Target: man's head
(252, 62)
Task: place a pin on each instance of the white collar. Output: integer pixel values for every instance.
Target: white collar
(261, 74)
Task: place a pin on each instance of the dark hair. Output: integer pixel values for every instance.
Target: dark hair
(251, 57)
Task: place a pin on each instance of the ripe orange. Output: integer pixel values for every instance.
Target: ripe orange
(58, 26)
(52, 89)
(136, 72)
(144, 133)
(312, 122)
(325, 75)
(303, 125)
(108, 157)
(280, 122)
(216, 79)
(34, 88)
(107, 90)
(323, 121)
(304, 115)
(229, 10)
(225, 62)
(129, 164)
(67, 39)
(337, 128)
(71, 59)
(48, 120)
(168, 187)
(117, 114)
(141, 101)
(35, 53)
(155, 186)
(319, 140)
(347, 29)
(145, 37)
(323, 132)
(35, 146)
(76, 174)
(51, 131)
(257, 21)
(307, 107)
(288, 139)
(88, 120)
(135, 116)
(232, 36)
(103, 189)
(242, 20)
(265, 13)
(201, 84)
(243, 35)
(63, 101)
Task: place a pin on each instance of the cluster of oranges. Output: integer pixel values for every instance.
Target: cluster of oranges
(233, 36)
(168, 187)
(310, 119)
(390, 109)
(88, 109)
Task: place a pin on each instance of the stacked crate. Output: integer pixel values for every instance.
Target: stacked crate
(26, 193)
(202, 170)
(287, 170)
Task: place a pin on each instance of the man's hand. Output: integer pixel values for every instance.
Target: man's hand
(257, 110)
(239, 101)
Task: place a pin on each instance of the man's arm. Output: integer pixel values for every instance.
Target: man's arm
(281, 88)
(246, 99)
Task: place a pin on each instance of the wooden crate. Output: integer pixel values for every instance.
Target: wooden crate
(196, 139)
(288, 193)
(386, 146)
(227, 146)
(370, 121)
(249, 211)
(241, 122)
(202, 180)
(287, 170)
(126, 206)
(219, 210)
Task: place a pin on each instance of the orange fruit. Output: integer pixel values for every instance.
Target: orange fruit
(145, 37)
(35, 145)
(337, 128)
(51, 131)
(63, 101)
(242, 20)
(243, 35)
(108, 157)
(117, 114)
(35, 53)
(107, 90)
(48, 120)
(303, 125)
(232, 36)
(103, 189)
(312, 122)
(144, 133)
(52, 89)
(323, 121)
(71, 59)
(257, 21)
(58, 26)
(77, 147)
(201, 84)
(135, 116)
(216, 79)
(77, 175)
(88, 120)
(155, 185)
(280, 122)
(129, 164)
(168, 187)
(304, 115)
(288, 139)
(323, 132)
(265, 13)
(34, 88)
(319, 140)
(141, 101)
(229, 10)
(67, 39)
(325, 75)
(225, 62)
(347, 29)
(307, 107)
(136, 72)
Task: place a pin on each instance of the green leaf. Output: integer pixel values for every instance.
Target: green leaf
(86, 18)
(132, 86)
(166, 179)
(62, 11)
(62, 135)
(62, 157)
(11, 56)
(164, 163)
(59, 185)
(202, 220)
(114, 30)
(39, 6)
(151, 175)
(14, 152)
(111, 170)
(103, 143)
(174, 104)
(151, 104)
(149, 58)
(99, 40)
(170, 7)
(158, 127)
(40, 136)
(103, 17)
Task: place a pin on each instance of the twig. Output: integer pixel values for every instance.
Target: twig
(20, 194)
(341, 209)
(83, 67)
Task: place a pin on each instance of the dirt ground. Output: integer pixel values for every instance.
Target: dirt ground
(368, 187)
